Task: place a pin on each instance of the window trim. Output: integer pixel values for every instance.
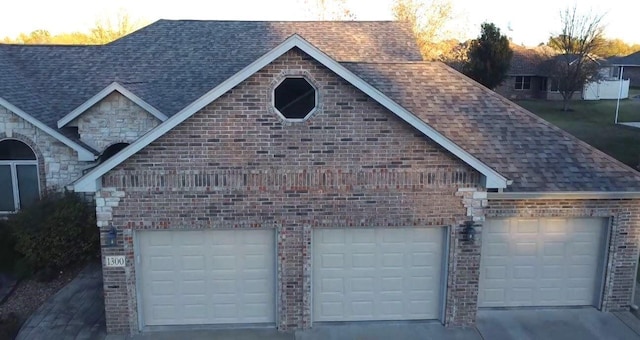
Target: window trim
(14, 176)
(14, 182)
(522, 83)
(316, 94)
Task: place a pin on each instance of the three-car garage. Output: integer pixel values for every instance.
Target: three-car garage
(223, 277)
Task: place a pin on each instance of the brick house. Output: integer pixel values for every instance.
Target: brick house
(308, 172)
(530, 76)
(631, 65)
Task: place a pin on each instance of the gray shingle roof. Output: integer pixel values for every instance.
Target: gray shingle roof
(169, 64)
(536, 155)
(632, 59)
(526, 61)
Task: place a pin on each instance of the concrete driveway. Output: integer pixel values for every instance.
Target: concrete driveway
(504, 324)
(77, 312)
(560, 324)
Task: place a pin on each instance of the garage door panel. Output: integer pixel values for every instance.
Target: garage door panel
(525, 249)
(207, 277)
(376, 274)
(557, 266)
(527, 228)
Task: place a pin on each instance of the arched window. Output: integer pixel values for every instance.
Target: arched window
(19, 184)
(111, 151)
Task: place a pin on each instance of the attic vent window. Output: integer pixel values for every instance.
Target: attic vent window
(295, 98)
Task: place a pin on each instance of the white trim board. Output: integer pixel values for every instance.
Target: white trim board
(90, 182)
(103, 94)
(83, 153)
(579, 195)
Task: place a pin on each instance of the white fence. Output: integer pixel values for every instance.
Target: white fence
(606, 89)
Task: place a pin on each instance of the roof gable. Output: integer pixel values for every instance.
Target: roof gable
(113, 87)
(170, 64)
(84, 154)
(90, 181)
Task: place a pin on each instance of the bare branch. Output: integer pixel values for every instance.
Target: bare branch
(581, 36)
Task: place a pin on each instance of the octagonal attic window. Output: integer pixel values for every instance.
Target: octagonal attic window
(295, 98)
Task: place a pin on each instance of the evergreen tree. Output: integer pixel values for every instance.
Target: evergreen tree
(489, 57)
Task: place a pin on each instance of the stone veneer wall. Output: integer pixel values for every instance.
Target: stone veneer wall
(624, 235)
(115, 119)
(58, 164)
(237, 164)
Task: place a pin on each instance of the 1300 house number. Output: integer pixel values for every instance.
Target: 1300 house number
(115, 261)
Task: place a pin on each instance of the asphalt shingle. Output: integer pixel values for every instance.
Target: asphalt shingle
(536, 155)
(169, 64)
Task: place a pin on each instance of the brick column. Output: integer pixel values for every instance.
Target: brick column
(464, 263)
(118, 293)
(290, 276)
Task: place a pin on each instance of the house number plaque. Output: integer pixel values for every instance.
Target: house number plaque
(115, 261)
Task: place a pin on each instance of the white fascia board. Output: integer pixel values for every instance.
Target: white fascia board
(493, 179)
(103, 94)
(578, 195)
(83, 154)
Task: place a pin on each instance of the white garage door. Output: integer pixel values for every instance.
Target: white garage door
(377, 274)
(541, 262)
(207, 277)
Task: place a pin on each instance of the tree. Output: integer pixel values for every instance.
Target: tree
(103, 31)
(107, 30)
(329, 9)
(616, 47)
(428, 21)
(489, 57)
(580, 38)
(36, 37)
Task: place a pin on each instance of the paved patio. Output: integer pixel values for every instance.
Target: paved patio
(77, 312)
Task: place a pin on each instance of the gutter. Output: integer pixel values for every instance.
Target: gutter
(554, 195)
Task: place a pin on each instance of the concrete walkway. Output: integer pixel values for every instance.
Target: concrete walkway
(75, 312)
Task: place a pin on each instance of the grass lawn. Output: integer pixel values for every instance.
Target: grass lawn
(593, 122)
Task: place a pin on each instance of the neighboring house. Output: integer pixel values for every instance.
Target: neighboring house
(529, 77)
(525, 80)
(631, 65)
(286, 174)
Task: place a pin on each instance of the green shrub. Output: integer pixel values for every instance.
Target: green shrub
(8, 254)
(9, 326)
(55, 232)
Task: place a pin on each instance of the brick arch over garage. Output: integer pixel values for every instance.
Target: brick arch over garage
(42, 177)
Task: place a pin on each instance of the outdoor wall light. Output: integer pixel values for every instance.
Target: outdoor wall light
(112, 237)
(469, 231)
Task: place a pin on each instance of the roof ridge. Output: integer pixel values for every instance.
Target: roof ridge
(540, 119)
(278, 21)
(399, 62)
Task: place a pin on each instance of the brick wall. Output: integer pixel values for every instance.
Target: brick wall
(633, 74)
(624, 234)
(507, 89)
(237, 164)
(115, 119)
(58, 163)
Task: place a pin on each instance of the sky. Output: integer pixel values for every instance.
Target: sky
(526, 22)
